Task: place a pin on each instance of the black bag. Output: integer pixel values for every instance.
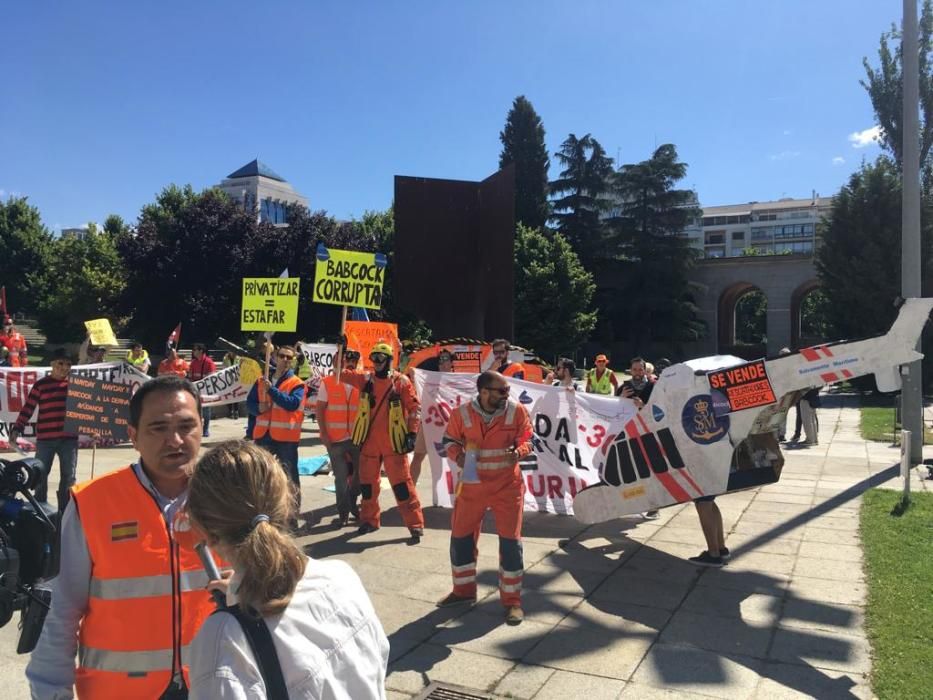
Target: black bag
(263, 648)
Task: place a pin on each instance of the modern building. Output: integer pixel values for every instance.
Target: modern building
(786, 226)
(257, 187)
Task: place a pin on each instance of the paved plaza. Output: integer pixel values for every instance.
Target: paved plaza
(615, 610)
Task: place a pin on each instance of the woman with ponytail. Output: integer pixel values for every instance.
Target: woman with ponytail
(328, 640)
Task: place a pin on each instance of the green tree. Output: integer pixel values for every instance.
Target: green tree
(25, 246)
(751, 312)
(859, 258)
(523, 144)
(553, 294)
(86, 280)
(582, 196)
(885, 87)
(654, 300)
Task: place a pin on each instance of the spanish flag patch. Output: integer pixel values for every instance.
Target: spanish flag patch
(124, 531)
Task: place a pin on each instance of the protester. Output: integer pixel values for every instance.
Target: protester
(445, 363)
(661, 365)
(89, 354)
(50, 394)
(563, 374)
(277, 405)
(5, 357)
(139, 357)
(486, 438)
(231, 360)
(601, 379)
(711, 523)
(392, 415)
(301, 366)
(201, 366)
(130, 594)
(806, 412)
(639, 387)
(336, 409)
(14, 341)
(325, 632)
(501, 362)
(173, 364)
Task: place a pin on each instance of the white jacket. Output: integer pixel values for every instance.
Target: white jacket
(329, 642)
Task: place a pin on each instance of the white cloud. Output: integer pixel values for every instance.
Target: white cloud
(839, 160)
(784, 155)
(866, 137)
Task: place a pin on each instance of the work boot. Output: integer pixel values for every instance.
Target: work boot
(514, 615)
(366, 528)
(452, 599)
(416, 534)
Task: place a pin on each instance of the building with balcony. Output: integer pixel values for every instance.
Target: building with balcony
(257, 187)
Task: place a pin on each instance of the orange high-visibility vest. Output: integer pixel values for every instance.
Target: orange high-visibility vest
(513, 369)
(282, 425)
(342, 403)
(147, 596)
(492, 440)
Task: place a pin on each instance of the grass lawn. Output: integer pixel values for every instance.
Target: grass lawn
(899, 565)
(877, 421)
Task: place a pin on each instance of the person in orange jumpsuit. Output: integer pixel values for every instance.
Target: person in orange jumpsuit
(486, 438)
(13, 340)
(381, 387)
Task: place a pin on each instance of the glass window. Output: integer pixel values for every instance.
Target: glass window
(738, 235)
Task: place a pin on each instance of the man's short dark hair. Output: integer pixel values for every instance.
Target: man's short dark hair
(445, 354)
(136, 345)
(568, 363)
(168, 384)
(199, 346)
(62, 354)
(487, 379)
(637, 359)
(501, 341)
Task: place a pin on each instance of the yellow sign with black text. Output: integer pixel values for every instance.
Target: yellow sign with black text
(269, 304)
(348, 277)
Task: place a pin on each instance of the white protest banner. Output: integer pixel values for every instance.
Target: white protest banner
(320, 357)
(569, 429)
(216, 389)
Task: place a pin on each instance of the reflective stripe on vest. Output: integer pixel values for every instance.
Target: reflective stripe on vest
(282, 425)
(603, 385)
(490, 458)
(137, 622)
(340, 413)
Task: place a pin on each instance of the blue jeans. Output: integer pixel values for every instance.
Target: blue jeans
(67, 451)
(287, 454)
(206, 419)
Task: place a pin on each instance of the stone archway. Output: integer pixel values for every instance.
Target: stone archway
(730, 297)
(797, 338)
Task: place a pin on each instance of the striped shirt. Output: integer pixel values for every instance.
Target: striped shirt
(49, 395)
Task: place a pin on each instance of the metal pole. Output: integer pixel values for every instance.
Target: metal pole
(906, 462)
(911, 395)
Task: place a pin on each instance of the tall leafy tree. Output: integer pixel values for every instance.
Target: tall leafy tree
(859, 259)
(523, 144)
(553, 294)
(86, 280)
(25, 247)
(884, 85)
(654, 301)
(582, 196)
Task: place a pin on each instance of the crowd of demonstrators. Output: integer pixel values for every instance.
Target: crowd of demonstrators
(49, 395)
(278, 407)
(336, 408)
(15, 343)
(394, 416)
(327, 640)
(202, 365)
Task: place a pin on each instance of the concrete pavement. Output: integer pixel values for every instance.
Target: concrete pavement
(615, 610)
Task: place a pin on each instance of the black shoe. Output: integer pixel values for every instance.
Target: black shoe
(340, 521)
(366, 528)
(724, 553)
(705, 559)
(416, 533)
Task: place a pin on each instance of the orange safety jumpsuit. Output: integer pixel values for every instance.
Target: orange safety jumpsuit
(512, 369)
(500, 489)
(16, 343)
(147, 595)
(377, 448)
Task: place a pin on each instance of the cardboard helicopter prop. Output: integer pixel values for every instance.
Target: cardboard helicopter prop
(710, 425)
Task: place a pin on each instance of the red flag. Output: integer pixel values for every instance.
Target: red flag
(173, 337)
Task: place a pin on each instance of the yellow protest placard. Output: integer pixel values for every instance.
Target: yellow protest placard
(269, 304)
(100, 331)
(349, 278)
(250, 371)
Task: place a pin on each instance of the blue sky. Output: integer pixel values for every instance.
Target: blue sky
(105, 103)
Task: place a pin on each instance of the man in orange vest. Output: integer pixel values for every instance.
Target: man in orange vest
(279, 411)
(130, 594)
(15, 343)
(336, 408)
(387, 392)
(486, 438)
(501, 362)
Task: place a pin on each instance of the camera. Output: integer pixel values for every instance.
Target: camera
(29, 545)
